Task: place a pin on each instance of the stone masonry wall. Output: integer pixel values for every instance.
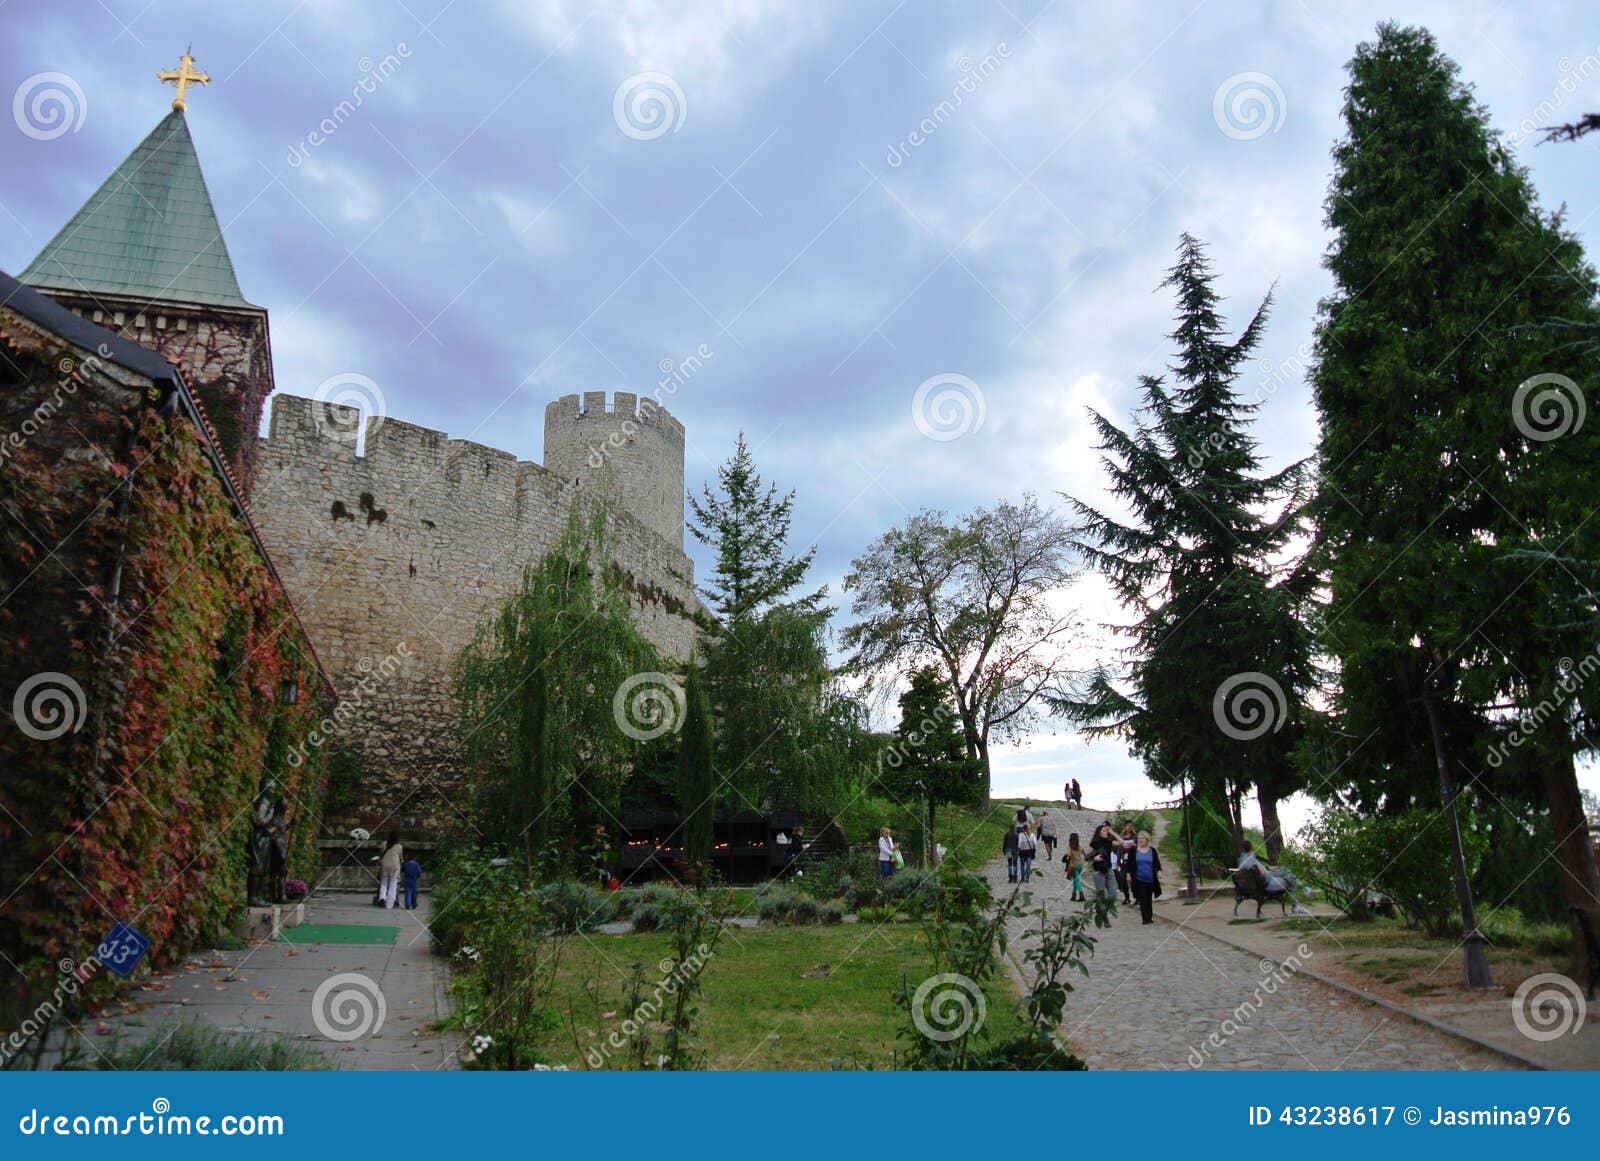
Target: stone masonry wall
(393, 556)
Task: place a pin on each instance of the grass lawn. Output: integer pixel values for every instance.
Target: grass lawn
(775, 998)
(1389, 956)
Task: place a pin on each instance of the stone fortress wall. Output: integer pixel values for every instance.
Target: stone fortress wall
(392, 557)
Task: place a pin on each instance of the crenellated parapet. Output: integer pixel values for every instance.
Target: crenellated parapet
(628, 448)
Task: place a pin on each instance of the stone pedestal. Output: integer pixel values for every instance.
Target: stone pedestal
(261, 923)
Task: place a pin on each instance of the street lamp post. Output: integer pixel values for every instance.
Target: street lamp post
(1191, 884)
(1474, 960)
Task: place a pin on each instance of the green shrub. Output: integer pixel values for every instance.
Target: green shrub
(1405, 858)
(646, 916)
(572, 907)
(776, 903)
(832, 912)
(194, 1047)
(652, 894)
(877, 913)
(805, 911)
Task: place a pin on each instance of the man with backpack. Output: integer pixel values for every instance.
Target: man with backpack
(1008, 847)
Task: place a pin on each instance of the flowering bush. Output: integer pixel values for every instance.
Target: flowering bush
(295, 890)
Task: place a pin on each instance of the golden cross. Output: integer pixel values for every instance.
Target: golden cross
(183, 76)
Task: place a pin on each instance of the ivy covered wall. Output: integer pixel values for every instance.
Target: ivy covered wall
(129, 578)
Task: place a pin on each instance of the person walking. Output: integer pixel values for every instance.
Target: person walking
(1074, 860)
(1130, 839)
(1047, 835)
(887, 848)
(411, 875)
(1102, 859)
(1077, 795)
(1145, 873)
(389, 872)
(1027, 847)
(1008, 848)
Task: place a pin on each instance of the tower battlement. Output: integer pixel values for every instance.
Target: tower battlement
(630, 451)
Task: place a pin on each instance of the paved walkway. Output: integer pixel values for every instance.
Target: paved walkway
(1161, 997)
(273, 988)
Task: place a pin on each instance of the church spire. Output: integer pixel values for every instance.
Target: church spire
(149, 232)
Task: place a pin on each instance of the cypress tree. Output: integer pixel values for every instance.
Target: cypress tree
(1454, 462)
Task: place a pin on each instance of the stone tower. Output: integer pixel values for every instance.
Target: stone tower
(632, 452)
(145, 257)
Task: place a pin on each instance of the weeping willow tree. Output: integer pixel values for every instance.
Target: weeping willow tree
(550, 692)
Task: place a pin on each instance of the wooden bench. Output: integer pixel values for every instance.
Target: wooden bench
(1590, 951)
(1252, 884)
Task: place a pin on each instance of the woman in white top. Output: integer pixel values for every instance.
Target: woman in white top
(886, 849)
(389, 872)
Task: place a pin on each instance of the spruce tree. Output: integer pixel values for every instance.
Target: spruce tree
(1454, 504)
(766, 663)
(1218, 662)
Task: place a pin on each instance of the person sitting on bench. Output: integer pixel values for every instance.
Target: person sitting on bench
(1280, 880)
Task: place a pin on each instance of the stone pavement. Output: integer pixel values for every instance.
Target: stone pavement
(1162, 997)
(272, 988)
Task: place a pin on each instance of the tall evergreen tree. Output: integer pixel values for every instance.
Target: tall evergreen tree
(1219, 660)
(696, 777)
(1454, 498)
(748, 526)
(780, 726)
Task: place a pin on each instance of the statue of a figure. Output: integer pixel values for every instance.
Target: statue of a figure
(278, 866)
(259, 883)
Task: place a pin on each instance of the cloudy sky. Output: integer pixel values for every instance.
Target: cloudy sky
(837, 201)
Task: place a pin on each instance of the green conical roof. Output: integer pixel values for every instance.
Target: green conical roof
(149, 232)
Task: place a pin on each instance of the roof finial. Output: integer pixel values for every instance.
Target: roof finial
(183, 76)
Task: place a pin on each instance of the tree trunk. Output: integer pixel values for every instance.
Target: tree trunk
(1271, 828)
(988, 779)
(1580, 877)
(1235, 815)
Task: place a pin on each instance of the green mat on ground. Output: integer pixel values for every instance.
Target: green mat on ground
(339, 933)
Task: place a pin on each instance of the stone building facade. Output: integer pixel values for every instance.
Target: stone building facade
(394, 553)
